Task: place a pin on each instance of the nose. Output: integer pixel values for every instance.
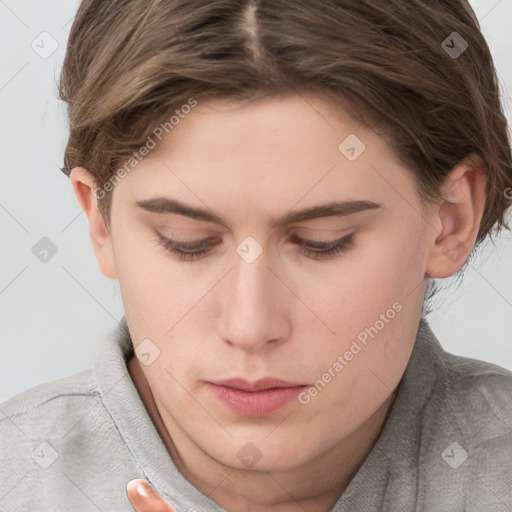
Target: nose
(254, 306)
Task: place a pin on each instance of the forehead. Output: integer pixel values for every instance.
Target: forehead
(279, 131)
(282, 150)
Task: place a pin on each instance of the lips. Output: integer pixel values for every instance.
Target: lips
(259, 398)
(259, 385)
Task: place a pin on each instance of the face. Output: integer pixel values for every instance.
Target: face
(330, 301)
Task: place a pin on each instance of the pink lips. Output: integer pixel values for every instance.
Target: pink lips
(259, 398)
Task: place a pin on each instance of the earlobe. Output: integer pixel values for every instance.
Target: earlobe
(459, 215)
(84, 188)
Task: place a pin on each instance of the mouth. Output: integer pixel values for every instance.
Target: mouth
(259, 385)
(259, 398)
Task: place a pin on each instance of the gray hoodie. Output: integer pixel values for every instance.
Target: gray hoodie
(74, 443)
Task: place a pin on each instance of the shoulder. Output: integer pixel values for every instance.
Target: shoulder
(481, 390)
(81, 384)
(470, 423)
(58, 439)
(49, 409)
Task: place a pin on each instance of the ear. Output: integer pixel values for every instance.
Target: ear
(84, 187)
(459, 215)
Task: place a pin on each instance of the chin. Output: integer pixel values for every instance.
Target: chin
(255, 453)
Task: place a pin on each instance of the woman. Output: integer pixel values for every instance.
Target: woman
(275, 185)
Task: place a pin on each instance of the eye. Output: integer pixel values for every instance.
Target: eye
(185, 251)
(318, 250)
(321, 250)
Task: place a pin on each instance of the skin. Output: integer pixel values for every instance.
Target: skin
(285, 315)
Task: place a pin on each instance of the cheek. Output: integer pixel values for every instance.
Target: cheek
(161, 304)
(149, 279)
(372, 305)
(352, 293)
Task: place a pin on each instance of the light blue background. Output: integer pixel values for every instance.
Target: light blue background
(55, 315)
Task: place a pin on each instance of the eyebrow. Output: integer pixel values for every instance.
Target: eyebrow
(334, 209)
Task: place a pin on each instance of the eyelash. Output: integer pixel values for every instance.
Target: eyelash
(332, 248)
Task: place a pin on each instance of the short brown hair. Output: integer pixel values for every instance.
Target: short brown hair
(130, 63)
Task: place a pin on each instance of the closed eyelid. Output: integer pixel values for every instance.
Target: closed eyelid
(299, 239)
(293, 236)
(316, 250)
